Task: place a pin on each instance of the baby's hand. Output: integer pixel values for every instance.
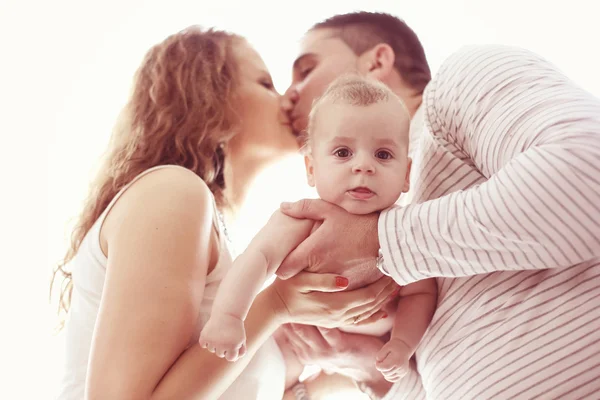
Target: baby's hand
(392, 360)
(225, 336)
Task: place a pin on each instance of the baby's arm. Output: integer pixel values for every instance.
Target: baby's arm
(224, 332)
(416, 306)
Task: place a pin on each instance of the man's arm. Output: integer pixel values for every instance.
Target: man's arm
(534, 135)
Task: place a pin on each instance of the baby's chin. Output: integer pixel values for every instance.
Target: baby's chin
(360, 208)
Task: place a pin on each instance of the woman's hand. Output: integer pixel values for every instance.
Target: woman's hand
(311, 299)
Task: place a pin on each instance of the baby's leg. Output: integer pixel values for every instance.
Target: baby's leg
(393, 358)
(415, 311)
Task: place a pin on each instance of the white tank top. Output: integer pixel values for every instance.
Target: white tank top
(263, 378)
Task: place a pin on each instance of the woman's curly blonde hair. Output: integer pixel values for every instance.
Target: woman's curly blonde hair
(180, 112)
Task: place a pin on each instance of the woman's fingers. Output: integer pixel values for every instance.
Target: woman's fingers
(365, 319)
(311, 282)
(366, 311)
(369, 294)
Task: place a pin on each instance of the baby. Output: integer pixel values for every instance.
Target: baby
(356, 155)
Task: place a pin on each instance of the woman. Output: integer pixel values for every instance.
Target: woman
(150, 247)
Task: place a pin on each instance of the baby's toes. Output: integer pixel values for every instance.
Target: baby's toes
(396, 373)
(387, 364)
(231, 355)
(392, 378)
(208, 345)
(220, 351)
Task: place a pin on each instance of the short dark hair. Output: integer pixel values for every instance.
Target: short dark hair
(363, 30)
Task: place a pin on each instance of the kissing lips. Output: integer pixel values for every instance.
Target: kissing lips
(361, 193)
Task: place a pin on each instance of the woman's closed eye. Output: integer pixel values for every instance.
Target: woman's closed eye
(267, 84)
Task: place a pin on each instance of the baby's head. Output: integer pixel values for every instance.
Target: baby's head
(356, 145)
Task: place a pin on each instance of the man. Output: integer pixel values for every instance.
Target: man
(505, 214)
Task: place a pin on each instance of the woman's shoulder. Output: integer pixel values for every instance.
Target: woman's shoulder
(169, 193)
(170, 183)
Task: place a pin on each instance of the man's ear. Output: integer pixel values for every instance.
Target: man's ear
(310, 177)
(406, 186)
(378, 62)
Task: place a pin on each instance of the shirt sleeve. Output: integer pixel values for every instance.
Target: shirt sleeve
(533, 136)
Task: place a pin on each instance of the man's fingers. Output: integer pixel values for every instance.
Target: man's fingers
(311, 336)
(298, 346)
(333, 337)
(307, 209)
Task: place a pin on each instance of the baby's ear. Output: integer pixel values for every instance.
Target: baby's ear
(406, 186)
(310, 177)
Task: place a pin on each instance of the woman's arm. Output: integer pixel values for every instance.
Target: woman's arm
(144, 344)
(157, 238)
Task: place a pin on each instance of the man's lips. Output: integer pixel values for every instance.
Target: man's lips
(361, 193)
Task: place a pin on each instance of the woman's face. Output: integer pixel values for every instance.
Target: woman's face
(265, 130)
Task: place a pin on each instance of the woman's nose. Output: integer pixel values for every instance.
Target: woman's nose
(289, 99)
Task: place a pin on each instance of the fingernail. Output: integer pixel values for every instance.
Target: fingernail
(384, 316)
(285, 205)
(341, 282)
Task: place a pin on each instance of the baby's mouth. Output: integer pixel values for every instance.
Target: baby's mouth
(361, 193)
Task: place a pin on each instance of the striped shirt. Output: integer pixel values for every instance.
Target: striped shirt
(506, 216)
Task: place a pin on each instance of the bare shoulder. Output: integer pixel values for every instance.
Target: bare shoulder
(173, 184)
(165, 196)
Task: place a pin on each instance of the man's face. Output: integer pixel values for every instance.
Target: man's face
(322, 59)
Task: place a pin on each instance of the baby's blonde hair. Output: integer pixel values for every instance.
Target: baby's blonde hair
(353, 90)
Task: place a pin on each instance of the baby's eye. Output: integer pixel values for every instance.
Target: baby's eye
(342, 153)
(383, 154)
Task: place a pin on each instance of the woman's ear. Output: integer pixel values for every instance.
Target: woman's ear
(378, 62)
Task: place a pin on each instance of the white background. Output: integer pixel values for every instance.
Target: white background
(65, 71)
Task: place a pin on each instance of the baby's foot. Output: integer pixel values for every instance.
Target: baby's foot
(392, 360)
(225, 336)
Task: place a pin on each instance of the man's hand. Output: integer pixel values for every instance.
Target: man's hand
(338, 352)
(343, 243)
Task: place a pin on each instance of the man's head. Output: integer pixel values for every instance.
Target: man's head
(377, 45)
(356, 149)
